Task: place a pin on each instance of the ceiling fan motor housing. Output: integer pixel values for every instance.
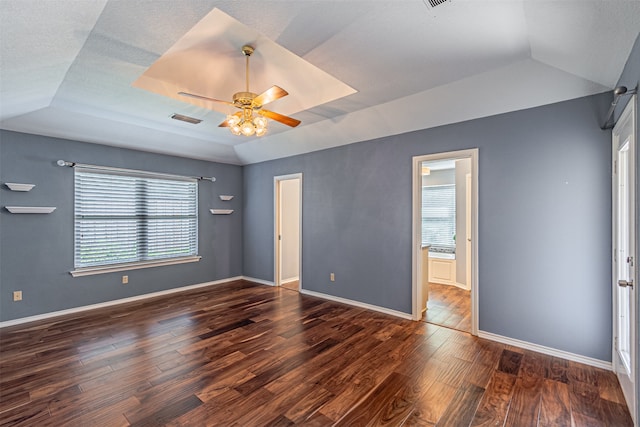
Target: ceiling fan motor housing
(245, 99)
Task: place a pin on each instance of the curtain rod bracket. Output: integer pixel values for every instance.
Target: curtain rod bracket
(617, 93)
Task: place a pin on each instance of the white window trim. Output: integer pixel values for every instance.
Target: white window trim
(90, 271)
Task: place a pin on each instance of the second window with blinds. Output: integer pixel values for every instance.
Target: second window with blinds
(439, 217)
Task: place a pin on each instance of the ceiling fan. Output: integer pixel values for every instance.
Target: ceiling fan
(244, 122)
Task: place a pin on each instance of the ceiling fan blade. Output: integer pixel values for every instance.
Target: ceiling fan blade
(269, 95)
(225, 124)
(289, 121)
(191, 95)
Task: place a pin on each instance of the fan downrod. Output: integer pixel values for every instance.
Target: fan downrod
(245, 99)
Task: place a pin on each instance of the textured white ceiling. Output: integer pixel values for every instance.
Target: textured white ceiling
(67, 67)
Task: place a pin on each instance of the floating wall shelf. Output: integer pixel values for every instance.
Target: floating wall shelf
(30, 209)
(221, 211)
(224, 197)
(19, 187)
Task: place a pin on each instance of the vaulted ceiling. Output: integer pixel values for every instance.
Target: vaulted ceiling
(355, 70)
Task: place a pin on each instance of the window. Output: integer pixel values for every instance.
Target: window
(129, 217)
(439, 217)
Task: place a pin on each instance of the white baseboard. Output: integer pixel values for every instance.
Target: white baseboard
(547, 350)
(292, 279)
(461, 286)
(74, 310)
(358, 304)
(260, 281)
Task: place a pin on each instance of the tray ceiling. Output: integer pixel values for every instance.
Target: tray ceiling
(355, 70)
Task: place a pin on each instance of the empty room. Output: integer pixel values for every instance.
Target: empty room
(317, 213)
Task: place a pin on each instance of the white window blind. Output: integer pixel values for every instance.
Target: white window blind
(128, 218)
(439, 217)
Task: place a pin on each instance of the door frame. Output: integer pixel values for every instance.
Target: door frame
(629, 113)
(416, 241)
(277, 227)
(468, 237)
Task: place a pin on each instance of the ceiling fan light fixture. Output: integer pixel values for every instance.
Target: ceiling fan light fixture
(261, 131)
(235, 129)
(233, 120)
(260, 122)
(247, 124)
(247, 128)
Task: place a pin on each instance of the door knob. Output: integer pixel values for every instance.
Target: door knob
(624, 283)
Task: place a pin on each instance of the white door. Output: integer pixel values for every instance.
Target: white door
(624, 229)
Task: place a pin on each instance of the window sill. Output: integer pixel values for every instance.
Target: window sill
(441, 255)
(90, 271)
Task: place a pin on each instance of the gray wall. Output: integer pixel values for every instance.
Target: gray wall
(630, 78)
(36, 251)
(544, 226)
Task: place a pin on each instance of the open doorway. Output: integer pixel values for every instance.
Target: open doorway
(288, 231)
(445, 243)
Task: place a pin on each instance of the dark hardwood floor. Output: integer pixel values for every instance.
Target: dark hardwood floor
(292, 286)
(241, 354)
(449, 306)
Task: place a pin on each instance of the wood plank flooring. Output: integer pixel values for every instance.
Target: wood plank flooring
(242, 354)
(449, 306)
(293, 286)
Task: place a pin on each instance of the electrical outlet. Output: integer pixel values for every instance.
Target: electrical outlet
(125, 280)
(332, 277)
(17, 295)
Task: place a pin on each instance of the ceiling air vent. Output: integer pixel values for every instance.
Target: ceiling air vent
(434, 3)
(188, 119)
